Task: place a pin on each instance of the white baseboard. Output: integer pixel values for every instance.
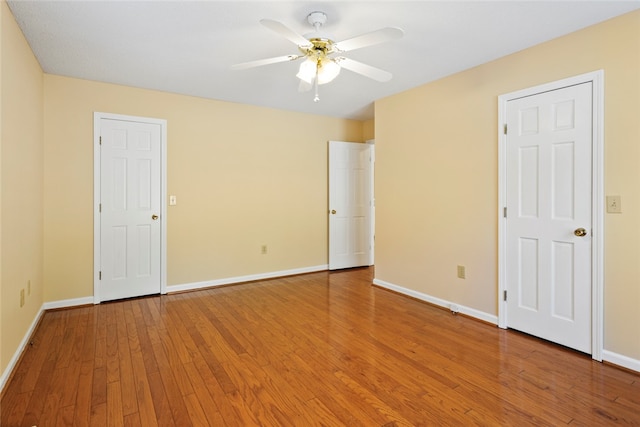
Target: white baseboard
(620, 360)
(608, 356)
(66, 303)
(468, 311)
(23, 344)
(240, 279)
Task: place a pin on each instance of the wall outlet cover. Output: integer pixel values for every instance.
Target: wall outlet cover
(614, 204)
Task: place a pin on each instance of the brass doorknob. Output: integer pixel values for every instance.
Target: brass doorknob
(580, 232)
(333, 211)
(154, 217)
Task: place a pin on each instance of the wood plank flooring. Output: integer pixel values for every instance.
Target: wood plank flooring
(322, 349)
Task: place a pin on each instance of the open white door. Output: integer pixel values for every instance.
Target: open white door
(350, 204)
(129, 200)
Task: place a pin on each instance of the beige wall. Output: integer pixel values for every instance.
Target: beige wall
(368, 130)
(3, 362)
(244, 177)
(21, 182)
(437, 183)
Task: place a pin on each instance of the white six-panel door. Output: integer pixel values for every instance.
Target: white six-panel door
(129, 210)
(349, 204)
(548, 223)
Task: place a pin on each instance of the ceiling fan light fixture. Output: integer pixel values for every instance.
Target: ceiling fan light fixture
(307, 70)
(327, 71)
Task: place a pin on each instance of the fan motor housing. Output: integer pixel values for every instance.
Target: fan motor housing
(321, 47)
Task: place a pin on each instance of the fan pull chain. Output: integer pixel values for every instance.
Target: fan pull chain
(315, 83)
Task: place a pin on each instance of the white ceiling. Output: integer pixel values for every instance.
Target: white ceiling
(187, 47)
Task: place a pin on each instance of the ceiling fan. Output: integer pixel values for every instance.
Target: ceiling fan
(322, 60)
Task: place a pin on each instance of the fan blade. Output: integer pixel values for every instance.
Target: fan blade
(364, 69)
(369, 39)
(267, 61)
(285, 32)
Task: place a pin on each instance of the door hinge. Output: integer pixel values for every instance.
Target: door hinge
(504, 295)
(100, 207)
(504, 211)
(504, 129)
(99, 275)
(100, 139)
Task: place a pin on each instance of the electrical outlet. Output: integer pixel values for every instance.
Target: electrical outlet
(462, 274)
(614, 204)
(21, 297)
(263, 249)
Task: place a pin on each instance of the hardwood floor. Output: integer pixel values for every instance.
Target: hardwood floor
(324, 349)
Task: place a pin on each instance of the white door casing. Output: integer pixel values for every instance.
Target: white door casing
(372, 225)
(129, 222)
(350, 204)
(550, 167)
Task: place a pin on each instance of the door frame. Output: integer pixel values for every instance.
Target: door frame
(97, 117)
(372, 202)
(597, 200)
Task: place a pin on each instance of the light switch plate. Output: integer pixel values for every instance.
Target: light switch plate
(173, 200)
(614, 204)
